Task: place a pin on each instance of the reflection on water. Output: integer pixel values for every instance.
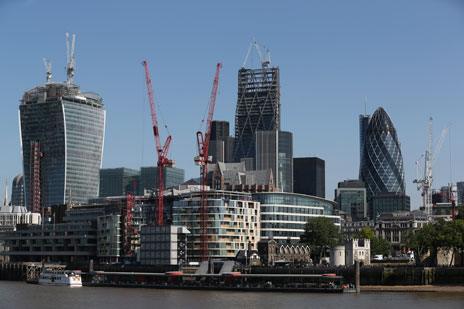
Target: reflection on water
(23, 295)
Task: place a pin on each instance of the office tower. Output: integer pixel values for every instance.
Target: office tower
(309, 176)
(274, 150)
(389, 202)
(382, 165)
(460, 192)
(173, 177)
(350, 196)
(17, 191)
(118, 181)
(258, 107)
(62, 133)
(221, 145)
(363, 123)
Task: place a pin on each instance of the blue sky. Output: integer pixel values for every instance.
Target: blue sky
(407, 56)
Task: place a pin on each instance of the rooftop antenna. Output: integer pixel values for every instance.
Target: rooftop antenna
(71, 61)
(48, 69)
(5, 196)
(365, 105)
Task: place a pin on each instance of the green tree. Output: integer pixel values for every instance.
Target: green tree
(441, 235)
(321, 234)
(378, 244)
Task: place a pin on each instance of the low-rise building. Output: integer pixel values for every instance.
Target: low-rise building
(271, 252)
(394, 227)
(163, 245)
(358, 250)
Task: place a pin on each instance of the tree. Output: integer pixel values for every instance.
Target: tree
(378, 245)
(320, 234)
(441, 235)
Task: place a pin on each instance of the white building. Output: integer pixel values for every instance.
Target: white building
(358, 250)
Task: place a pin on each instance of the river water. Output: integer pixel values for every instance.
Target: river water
(23, 295)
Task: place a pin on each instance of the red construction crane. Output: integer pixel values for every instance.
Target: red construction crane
(36, 194)
(129, 230)
(162, 151)
(203, 159)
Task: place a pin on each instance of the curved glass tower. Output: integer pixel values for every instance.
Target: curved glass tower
(67, 127)
(382, 163)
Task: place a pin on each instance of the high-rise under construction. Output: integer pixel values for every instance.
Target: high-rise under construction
(258, 107)
(62, 133)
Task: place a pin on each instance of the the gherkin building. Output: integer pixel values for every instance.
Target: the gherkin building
(381, 160)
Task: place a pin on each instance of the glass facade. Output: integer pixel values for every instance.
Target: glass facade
(382, 162)
(351, 199)
(284, 215)
(118, 181)
(173, 177)
(69, 126)
(390, 202)
(274, 151)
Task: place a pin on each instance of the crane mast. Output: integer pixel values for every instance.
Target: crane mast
(425, 183)
(161, 150)
(202, 160)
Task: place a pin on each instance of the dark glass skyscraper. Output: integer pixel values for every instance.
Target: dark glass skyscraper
(258, 107)
(309, 176)
(274, 150)
(382, 163)
(69, 127)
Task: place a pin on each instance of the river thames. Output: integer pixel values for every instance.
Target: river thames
(23, 295)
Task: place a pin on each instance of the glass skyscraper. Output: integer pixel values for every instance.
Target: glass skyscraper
(69, 128)
(274, 150)
(382, 163)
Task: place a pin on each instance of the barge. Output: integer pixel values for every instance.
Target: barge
(230, 281)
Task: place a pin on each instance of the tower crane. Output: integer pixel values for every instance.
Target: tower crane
(71, 60)
(424, 184)
(202, 160)
(161, 150)
(48, 69)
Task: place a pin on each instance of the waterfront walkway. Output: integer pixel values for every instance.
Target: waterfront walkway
(413, 288)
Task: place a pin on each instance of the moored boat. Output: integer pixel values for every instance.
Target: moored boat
(60, 278)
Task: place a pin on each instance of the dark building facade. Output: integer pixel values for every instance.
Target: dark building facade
(382, 162)
(258, 107)
(390, 202)
(221, 146)
(17, 191)
(274, 151)
(351, 199)
(118, 181)
(67, 127)
(363, 123)
(309, 176)
(173, 177)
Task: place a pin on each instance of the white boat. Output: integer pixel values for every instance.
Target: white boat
(60, 277)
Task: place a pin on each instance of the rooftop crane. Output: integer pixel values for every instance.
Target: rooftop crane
(202, 160)
(48, 69)
(71, 60)
(161, 150)
(424, 184)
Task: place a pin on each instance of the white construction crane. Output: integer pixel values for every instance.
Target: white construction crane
(71, 61)
(424, 184)
(48, 69)
(264, 59)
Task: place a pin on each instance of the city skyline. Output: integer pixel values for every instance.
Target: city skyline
(408, 94)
